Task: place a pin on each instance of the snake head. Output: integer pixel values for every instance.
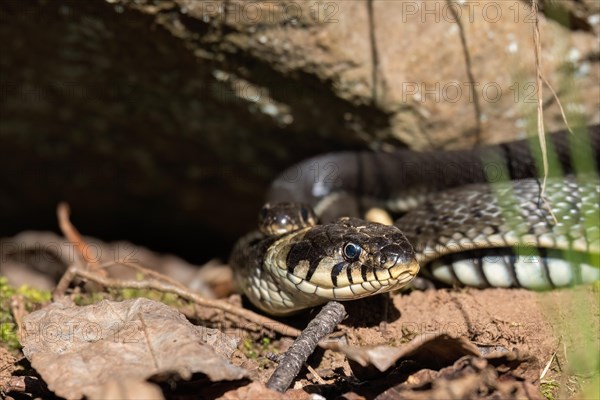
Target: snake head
(344, 260)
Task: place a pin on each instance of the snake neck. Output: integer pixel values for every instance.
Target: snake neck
(261, 273)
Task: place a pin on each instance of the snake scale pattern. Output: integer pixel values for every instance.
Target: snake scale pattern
(475, 218)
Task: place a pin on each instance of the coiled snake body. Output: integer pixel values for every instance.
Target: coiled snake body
(474, 218)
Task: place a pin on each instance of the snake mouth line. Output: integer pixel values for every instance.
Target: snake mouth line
(353, 291)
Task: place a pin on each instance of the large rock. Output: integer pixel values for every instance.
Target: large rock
(163, 122)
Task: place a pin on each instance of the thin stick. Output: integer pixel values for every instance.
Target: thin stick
(314, 372)
(562, 111)
(72, 234)
(147, 272)
(144, 270)
(547, 367)
(98, 274)
(265, 322)
(374, 54)
(322, 325)
(469, 67)
(540, 107)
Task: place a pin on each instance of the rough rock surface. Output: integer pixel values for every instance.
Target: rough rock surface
(163, 121)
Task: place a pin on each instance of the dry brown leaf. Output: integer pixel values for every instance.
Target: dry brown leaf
(469, 377)
(255, 390)
(78, 349)
(7, 367)
(431, 351)
(448, 368)
(121, 389)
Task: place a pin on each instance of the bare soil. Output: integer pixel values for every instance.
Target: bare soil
(553, 329)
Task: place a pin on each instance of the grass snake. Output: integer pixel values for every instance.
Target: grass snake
(470, 217)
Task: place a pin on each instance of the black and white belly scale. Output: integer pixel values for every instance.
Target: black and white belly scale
(506, 235)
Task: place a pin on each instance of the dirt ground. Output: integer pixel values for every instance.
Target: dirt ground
(438, 344)
(550, 330)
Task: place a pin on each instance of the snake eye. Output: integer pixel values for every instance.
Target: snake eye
(352, 251)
